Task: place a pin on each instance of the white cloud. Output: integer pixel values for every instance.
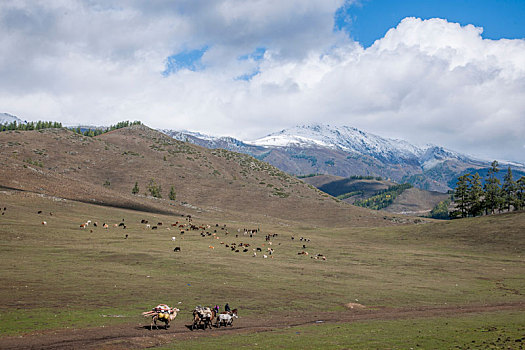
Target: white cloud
(426, 81)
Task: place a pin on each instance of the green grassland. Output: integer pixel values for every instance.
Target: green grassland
(503, 330)
(58, 275)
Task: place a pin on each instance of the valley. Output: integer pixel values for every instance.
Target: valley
(64, 286)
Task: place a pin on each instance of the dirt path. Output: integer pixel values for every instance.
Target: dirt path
(137, 336)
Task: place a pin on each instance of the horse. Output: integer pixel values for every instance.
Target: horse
(221, 318)
(226, 319)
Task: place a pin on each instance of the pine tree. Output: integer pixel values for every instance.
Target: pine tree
(154, 189)
(172, 194)
(135, 189)
(475, 194)
(461, 196)
(492, 189)
(508, 190)
(520, 194)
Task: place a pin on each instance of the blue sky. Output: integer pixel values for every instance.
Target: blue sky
(369, 20)
(246, 68)
(366, 21)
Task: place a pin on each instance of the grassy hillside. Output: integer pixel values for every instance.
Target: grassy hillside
(63, 286)
(104, 169)
(76, 276)
(414, 201)
(357, 187)
(411, 201)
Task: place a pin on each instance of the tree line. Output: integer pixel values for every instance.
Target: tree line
(471, 198)
(30, 125)
(100, 131)
(383, 198)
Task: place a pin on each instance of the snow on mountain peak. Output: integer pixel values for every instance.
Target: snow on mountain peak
(6, 118)
(344, 138)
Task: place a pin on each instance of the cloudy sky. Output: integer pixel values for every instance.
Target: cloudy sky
(447, 72)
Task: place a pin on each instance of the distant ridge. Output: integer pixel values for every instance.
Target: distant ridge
(6, 118)
(346, 151)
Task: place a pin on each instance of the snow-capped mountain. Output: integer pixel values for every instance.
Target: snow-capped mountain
(346, 151)
(6, 118)
(342, 138)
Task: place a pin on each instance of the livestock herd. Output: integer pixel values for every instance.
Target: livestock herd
(214, 232)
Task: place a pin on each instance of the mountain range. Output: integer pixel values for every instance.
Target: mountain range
(345, 151)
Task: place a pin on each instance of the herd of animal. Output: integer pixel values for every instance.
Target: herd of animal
(265, 250)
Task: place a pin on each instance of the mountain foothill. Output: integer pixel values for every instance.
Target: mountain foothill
(107, 168)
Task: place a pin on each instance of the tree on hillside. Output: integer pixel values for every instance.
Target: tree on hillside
(440, 211)
(461, 197)
(520, 193)
(172, 194)
(508, 190)
(154, 189)
(492, 189)
(135, 188)
(475, 195)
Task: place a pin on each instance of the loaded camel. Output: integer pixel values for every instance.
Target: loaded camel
(161, 313)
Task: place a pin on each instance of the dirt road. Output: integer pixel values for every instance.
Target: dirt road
(138, 336)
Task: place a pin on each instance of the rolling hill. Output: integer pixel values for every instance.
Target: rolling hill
(68, 287)
(104, 169)
(412, 201)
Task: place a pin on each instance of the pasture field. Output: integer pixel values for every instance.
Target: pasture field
(58, 276)
(502, 330)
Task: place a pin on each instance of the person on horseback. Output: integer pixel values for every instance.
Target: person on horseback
(227, 308)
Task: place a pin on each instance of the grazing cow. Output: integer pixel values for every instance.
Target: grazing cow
(126, 237)
(148, 226)
(173, 238)
(154, 227)
(177, 249)
(159, 223)
(121, 224)
(259, 249)
(44, 223)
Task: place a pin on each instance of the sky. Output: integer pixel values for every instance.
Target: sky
(450, 73)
